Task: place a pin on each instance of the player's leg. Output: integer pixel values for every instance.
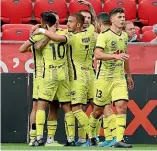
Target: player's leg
(109, 125)
(47, 92)
(101, 98)
(78, 95)
(63, 94)
(52, 122)
(120, 99)
(32, 134)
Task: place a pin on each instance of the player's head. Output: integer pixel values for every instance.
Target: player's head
(129, 29)
(117, 17)
(48, 18)
(103, 21)
(57, 17)
(75, 22)
(87, 18)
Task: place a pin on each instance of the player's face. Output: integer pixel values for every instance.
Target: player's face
(88, 19)
(71, 24)
(130, 29)
(118, 20)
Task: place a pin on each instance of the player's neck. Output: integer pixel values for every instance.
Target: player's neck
(104, 27)
(116, 29)
(77, 30)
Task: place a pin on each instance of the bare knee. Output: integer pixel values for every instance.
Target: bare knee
(121, 107)
(97, 112)
(66, 107)
(76, 107)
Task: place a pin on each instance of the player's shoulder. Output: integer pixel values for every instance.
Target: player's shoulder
(124, 33)
(105, 31)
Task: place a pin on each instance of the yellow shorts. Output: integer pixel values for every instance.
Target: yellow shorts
(79, 92)
(106, 92)
(53, 87)
(36, 83)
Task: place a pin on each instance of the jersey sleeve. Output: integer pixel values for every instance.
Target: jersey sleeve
(101, 41)
(33, 39)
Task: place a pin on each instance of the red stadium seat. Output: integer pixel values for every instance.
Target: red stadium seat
(74, 6)
(9, 26)
(147, 12)
(148, 36)
(128, 5)
(58, 6)
(146, 28)
(16, 11)
(19, 34)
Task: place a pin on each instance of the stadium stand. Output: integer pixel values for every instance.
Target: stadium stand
(146, 28)
(128, 5)
(16, 11)
(59, 6)
(17, 34)
(9, 26)
(148, 36)
(147, 12)
(74, 6)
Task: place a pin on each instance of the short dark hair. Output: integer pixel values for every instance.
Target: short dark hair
(48, 18)
(115, 11)
(86, 11)
(104, 18)
(79, 17)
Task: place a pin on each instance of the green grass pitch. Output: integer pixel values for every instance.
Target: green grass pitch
(15, 146)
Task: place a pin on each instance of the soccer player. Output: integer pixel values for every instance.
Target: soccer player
(52, 117)
(37, 77)
(109, 118)
(110, 83)
(89, 25)
(79, 43)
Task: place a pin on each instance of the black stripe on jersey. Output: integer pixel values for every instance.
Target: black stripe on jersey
(116, 33)
(35, 63)
(73, 65)
(99, 70)
(44, 67)
(93, 64)
(105, 30)
(30, 39)
(99, 47)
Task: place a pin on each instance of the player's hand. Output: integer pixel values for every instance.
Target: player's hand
(130, 82)
(34, 28)
(84, 2)
(52, 28)
(36, 32)
(122, 56)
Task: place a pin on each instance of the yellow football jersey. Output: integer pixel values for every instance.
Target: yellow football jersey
(112, 43)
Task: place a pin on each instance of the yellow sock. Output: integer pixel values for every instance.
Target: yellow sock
(92, 126)
(120, 125)
(70, 124)
(107, 132)
(81, 132)
(40, 121)
(83, 120)
(51, 128)
(112, 124)
(98, 127)
(32, 134)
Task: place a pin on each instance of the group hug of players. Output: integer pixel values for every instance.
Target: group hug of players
(64, 76)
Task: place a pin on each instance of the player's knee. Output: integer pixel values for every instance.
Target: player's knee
(76, 107)
(97, 112)
(121, 107)
(34, 109)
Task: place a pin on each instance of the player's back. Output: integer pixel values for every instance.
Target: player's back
(112, 43)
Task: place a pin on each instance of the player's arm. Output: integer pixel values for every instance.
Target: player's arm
(129, 75)
(25, 47)
(90, 8)
(99, 51)
(42, 43)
